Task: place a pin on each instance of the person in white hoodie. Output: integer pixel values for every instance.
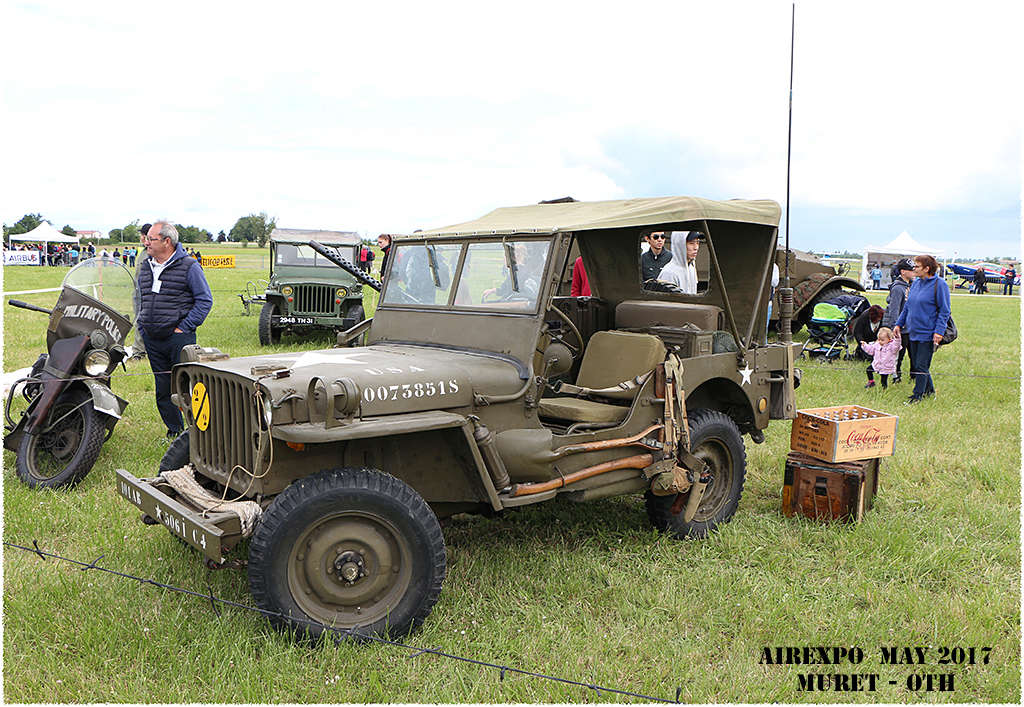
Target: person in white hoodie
(682, 269)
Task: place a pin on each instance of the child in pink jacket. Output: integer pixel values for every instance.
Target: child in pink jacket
(883, 353)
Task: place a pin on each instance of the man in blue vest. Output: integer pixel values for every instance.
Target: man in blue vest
(173, 300)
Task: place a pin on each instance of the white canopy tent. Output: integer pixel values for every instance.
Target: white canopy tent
(43, 233)
(903, 246)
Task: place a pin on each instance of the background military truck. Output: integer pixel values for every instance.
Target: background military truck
(337, 464)
(307, 291)
(813, 280)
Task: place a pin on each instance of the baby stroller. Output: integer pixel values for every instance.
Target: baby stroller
(827, 332)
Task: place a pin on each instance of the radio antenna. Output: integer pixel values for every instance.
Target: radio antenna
(786, 292)
(789, 136)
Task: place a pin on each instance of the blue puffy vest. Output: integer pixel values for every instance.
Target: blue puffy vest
(160, 313)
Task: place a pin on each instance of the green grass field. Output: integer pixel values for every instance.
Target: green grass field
(585, 592)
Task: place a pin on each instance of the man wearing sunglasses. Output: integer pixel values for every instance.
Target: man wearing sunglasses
(657, 257)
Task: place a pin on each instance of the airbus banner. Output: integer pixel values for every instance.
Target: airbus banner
(21, 257)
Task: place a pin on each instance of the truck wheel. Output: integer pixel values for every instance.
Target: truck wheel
(176, 455)
(66, 444)
(356, 312)
(716, 440)
(347, 549)
(805, 314)
(269, 334)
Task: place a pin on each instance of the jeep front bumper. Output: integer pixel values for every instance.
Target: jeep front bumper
(210, 533)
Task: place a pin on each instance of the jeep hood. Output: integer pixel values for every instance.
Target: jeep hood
(389, 378)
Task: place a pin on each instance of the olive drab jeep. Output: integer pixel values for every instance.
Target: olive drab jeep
(479, 389)
(307, 291)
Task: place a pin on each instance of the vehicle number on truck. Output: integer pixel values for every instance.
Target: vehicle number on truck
(407, 391)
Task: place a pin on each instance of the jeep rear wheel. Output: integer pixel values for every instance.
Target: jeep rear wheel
(269, 334)
(716, 440)
(348, 549)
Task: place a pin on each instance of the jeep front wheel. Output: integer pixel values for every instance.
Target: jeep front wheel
(347, 549)
(269, 334)
(716, 440)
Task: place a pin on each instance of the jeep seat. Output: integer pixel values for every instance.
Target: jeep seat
(611, 358)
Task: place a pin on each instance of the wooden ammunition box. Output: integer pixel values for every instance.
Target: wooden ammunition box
(829, 491)
(844, 433)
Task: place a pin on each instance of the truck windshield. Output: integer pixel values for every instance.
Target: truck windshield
(422, 274)
(304, 256)
(503, 275)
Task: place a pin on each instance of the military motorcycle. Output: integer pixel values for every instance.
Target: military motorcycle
(71, 409)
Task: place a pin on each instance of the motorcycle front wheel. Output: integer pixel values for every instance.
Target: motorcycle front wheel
(65, 445)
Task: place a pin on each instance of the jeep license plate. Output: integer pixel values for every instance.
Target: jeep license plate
(295, 320)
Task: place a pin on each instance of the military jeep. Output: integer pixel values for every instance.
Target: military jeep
(479, 390)
(306, 290)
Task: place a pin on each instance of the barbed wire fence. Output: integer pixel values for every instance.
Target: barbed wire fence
(339, 634)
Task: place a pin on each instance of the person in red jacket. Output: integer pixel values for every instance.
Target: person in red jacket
(580, 284)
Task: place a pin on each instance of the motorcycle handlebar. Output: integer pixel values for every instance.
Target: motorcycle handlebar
(26, 305)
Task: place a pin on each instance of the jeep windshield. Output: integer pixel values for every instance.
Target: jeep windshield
(304, 256)
(503, 275)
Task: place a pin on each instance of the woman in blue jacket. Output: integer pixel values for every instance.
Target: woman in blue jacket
(924, 318)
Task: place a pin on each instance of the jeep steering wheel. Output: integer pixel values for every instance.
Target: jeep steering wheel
(656, 285)
(575, 350)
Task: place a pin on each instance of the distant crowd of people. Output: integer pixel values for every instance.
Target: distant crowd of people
(59, 254)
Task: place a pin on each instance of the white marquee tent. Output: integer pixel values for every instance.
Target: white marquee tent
(903, 246)
(43, 233)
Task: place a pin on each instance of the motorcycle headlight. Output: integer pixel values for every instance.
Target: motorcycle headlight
(97, 362)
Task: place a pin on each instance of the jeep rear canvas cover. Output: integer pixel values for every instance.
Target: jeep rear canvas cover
(624, 213)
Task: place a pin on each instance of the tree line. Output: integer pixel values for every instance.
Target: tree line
(247, 229)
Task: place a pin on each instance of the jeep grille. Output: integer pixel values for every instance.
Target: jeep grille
(314, 299)
(233, 434)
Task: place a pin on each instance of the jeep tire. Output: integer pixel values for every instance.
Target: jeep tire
(716, 440)
(355, 311)
(349, 549)
(269, 334)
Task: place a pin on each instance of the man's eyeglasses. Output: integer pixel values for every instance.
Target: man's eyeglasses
(658, 237)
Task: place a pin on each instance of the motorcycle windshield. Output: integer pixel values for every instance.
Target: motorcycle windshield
(105, 280)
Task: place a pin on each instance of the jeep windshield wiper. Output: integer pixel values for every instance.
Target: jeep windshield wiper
(510, 263)
(432, 259)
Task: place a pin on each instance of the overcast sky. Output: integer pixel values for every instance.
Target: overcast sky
(397, 116)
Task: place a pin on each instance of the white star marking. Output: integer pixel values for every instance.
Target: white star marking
(316, 358)
(745, 372)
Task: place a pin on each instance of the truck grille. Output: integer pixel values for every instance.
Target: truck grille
(235, 424)
(313, 299)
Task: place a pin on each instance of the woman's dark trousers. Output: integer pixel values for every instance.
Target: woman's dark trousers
(920, 363)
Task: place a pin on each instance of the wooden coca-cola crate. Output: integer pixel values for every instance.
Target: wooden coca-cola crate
(826, 491)
(844, 433)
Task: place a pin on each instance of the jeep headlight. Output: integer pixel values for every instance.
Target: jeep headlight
(97, 362)
(341, 292)
(286, 290)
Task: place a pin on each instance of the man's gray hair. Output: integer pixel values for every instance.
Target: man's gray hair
(167, 230)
